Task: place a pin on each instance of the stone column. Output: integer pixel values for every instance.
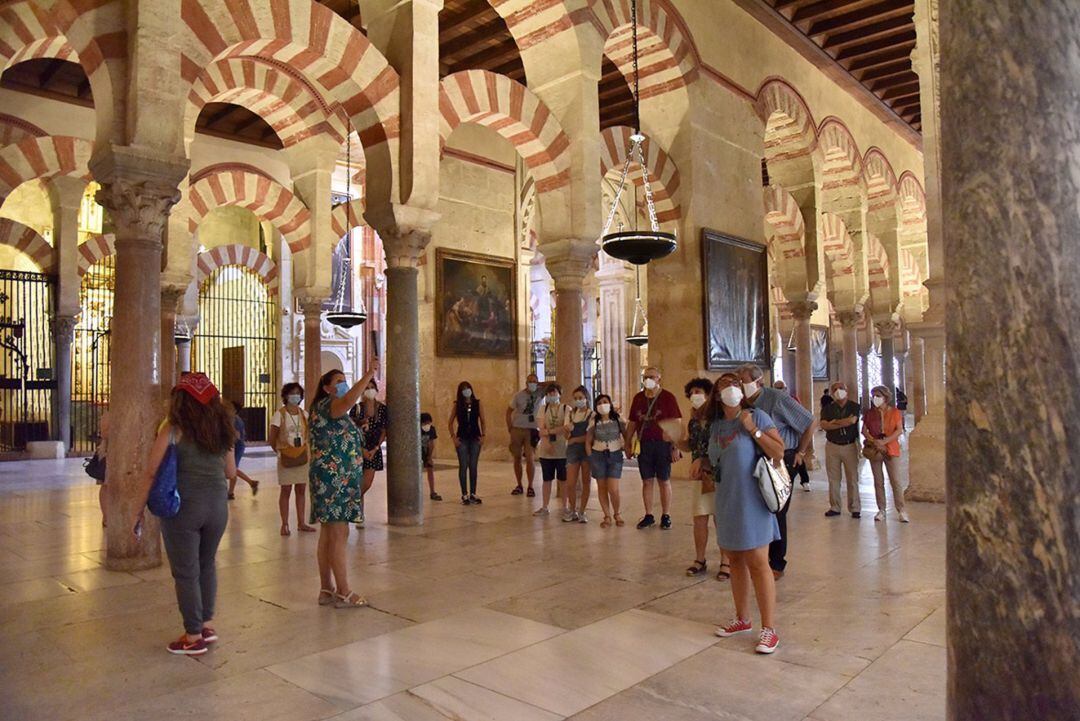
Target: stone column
(918, 382)
(1010, 154)
(886, 332)
(63, 327)
(171, 296)
(183, 357)
(619, 362)
(138, 189)
(405, 232)
(804, 372)
(568, 261)
(312, 309)
(849, 371)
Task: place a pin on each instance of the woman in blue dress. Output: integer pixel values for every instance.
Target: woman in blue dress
(335, 477)
(744, 525)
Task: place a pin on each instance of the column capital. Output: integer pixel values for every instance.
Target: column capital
(63, 327)
(311, 304)
(849, 318)
(803, 309)
(139, 189)
(171, 295)
(568, 261)
(887, 327)
(404, 230)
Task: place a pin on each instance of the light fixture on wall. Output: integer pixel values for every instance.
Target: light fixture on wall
(639, 333)
(636, 246)
(342, 314)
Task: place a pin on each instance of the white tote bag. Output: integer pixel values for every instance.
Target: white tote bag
(774, 483)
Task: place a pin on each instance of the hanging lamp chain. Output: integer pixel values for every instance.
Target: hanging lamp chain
(637, 91)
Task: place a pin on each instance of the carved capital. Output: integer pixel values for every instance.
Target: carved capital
(310, 305)
(171, 295)
(849, 318)
(63, 328)
(569, 261)
(802, 310)
(138, 208)
(886, 328)
(403, 246)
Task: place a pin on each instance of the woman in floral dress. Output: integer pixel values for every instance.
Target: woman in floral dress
(335, 478)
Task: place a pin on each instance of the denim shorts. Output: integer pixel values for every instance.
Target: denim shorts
(606, 464)
(553, 468)
(654, 461)
(575, 454)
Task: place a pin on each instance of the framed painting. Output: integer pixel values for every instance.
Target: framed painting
(475, 307)
(736, 299)
(819, 352)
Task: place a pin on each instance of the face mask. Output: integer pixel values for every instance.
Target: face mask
(531, 387)
(580, 403)
(878, 401)
(603, 409)
(293, 400)
(750, 388)
(552, 400)
(650, 383)
(425, 427)
(697, 400)
(467, 392)
(341, 388)
(369, 393)
(840, 394)
(731, 396)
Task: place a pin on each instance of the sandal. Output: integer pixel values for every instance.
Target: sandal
(606, 523)
(723, 575)
(697, 568)
(518, 490)
(436, 497)
(353, 600)
(530, 493)
(254, 488)
(619, 521)
(326, 596)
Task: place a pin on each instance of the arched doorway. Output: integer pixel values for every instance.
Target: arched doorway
(90, 355)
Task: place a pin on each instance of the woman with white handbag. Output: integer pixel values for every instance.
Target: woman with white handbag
(745, 526)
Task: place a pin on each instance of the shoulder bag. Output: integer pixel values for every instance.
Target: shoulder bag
(291, 455)
(164, 499)
(95, 467)
(636, 441)
(773, 482)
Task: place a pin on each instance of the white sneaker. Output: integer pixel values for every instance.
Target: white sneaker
(902, 515)
(360, 521)
(879, 516)
(541, 512)
(582, 518)
(569, 516)
(806, 487)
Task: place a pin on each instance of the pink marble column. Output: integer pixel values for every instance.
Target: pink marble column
(849, 368)
(312, 309)
(804, 372)
(170, 298)
(138, 191)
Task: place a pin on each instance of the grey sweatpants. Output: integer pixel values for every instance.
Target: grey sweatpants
(191, 542)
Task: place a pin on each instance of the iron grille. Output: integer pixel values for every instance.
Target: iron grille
(90, 354)
(27, 380)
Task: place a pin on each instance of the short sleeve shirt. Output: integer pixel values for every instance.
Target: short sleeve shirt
(834, 412)
(554, 417)
(788, 414)
(525, 404)
(666, 408)
(426, 437)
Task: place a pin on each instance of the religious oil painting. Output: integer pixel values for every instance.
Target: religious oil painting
(819, 352)
(475, 313)
(735, 276)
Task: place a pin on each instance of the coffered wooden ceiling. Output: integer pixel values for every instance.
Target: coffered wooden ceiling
(871, 39)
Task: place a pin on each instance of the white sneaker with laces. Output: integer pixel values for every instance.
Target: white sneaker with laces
(902, 515)
(768, 641)
(568, 516)
(879, 516)
(582, 518)
(541, 512)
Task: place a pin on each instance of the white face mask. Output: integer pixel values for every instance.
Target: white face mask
(531, 387)
(467, 392)
(580, 403)
(878, 401)
(840, 394)
(603, 409)
(697, 400)
(731, 396)
(425, 427)
(750, 388)
(552, 400)
(650, 383)
(292, 400)
(369, 393)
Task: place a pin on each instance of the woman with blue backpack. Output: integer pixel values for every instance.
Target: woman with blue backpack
(200, 431)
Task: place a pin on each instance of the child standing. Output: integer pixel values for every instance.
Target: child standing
(427, 451)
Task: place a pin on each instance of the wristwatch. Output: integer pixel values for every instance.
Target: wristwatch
(757, 433)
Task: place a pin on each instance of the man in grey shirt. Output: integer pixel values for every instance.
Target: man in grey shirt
(521, 424)
(796, 426)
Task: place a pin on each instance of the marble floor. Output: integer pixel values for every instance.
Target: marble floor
(483, 613)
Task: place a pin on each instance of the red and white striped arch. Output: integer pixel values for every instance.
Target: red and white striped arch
(235, 254)
(836, 244)
(346, 216)
(663, 174)
(289, 104)
(880, 179)
(267, 199)
(667, 57)
(43, 47)
(785, 231)
(29, 242)
(911, 277)
(45, 157)
(912, 202)
(878, 275)
(95, 248)
(515, 113)
(310, 39)
(532, 21)
(842, 162)
(789, 125)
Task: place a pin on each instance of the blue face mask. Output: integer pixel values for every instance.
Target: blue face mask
(341, 388)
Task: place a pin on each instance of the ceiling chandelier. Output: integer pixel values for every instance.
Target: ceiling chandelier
(636, 246)
(342, 313)
(639, 332)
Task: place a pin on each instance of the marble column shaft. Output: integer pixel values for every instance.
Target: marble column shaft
(312, 309)
(63, 334)
(849, 371)
(404, 484)
(886, 333)
(1010, 156)
(170, 297)
(804, 371)
(568, 261)
(918, 379)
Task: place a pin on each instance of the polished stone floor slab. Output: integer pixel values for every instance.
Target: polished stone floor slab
(481, 613)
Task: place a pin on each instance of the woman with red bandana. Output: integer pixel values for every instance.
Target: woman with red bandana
(201, 426)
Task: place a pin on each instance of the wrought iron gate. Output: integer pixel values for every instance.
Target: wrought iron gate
(27, 380)
(90, 354)
(235, 344)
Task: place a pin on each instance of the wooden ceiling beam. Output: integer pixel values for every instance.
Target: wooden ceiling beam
(486, 59)
(901, 79)
(492, 28)
(901, 91)
(881, 30)
(865, 17)
(246, 122)
(876, 45)
(826, 9)
(216, 116)
(889, 54)
(886, 70)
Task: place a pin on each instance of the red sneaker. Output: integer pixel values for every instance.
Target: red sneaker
(734, 626)
(183, 647)
(768, 641)
(209, 635)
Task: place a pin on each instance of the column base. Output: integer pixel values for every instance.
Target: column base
(134, 563)
(405, 520)
(926, 459)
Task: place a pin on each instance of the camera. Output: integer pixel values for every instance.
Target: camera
(532, 418)
(296, 442)
(551, 438)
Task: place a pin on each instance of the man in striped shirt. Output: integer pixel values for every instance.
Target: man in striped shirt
(796, 426)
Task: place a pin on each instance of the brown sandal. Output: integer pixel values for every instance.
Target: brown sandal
(619, 521)
(723, 575)
(353, 600)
